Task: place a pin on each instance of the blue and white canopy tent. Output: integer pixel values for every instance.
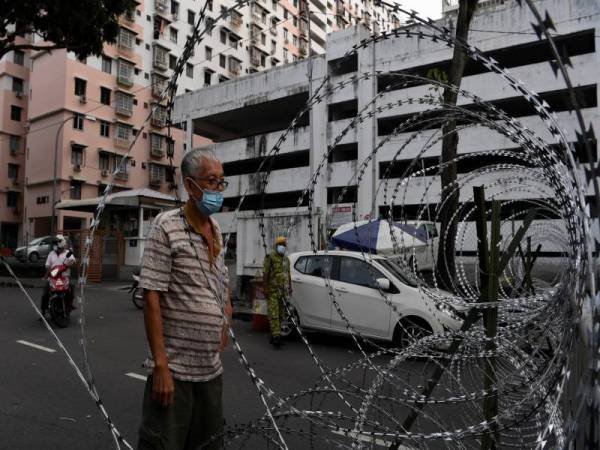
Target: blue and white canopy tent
(375, 237)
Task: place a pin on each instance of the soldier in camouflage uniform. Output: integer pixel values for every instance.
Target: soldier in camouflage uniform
(277, 283)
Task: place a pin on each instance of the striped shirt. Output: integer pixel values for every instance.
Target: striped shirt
(176, 263)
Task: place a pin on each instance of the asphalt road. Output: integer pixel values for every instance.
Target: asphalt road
(44, 405)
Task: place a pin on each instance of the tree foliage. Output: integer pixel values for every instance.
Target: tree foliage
(80, 26)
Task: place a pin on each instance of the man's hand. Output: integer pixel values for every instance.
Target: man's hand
(163, 388)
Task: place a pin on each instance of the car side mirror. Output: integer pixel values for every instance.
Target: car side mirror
(383, 284)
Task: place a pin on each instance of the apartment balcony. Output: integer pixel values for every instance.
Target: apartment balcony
(236, 21)
(161, 5)
(125, 71)
(155, 182)
(159, 84)
(122, 142)
(157, 152)
(159, 117)
(160, 58)
(122, 175)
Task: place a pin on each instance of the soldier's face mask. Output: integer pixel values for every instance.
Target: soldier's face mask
(281, 249)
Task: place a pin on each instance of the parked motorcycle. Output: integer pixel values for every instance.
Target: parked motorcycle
(136, 292)
(58, 304)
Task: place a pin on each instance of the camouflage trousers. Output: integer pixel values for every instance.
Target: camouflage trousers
(276, 311)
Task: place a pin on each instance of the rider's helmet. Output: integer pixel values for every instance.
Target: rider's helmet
(61, 242)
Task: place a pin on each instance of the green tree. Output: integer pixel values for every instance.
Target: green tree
(446, 266)
(80, 26)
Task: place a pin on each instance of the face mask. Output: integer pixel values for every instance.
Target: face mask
(55, 248)
(211, 201)
(281, 249)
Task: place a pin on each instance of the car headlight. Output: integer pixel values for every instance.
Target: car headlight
(449, 310)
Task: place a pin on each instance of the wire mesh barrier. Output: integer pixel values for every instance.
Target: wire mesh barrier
(519, 366)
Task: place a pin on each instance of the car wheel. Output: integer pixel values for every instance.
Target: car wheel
(287, 326)
(34, 257)
(410, 330)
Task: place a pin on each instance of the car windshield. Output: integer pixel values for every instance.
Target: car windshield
(393, 266)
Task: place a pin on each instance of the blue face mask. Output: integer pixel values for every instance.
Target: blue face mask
(211, 201)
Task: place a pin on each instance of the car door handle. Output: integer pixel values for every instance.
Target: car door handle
(296, 279)
(341, 289)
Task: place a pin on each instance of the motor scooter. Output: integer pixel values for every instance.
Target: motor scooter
(58, 304)
(136, 292)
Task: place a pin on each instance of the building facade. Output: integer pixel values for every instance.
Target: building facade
(75, 119)
(267, 102)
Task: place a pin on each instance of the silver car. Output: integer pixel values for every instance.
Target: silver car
(36, 250)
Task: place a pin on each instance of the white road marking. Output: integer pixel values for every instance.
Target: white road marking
(369, 439)
(39, 347)
(137, 376)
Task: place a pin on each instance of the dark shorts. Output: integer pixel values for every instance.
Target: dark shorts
(195, 416)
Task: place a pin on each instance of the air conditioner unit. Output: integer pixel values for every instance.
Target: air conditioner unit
(82, 99)
(104, 173)
(19, 94)
(77, 167)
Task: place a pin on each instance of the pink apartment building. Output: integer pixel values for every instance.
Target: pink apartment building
(88, 112)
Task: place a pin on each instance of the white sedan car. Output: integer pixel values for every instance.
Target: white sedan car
(358, 286)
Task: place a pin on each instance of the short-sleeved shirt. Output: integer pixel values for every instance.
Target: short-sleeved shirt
(54, 259)
(193, 291)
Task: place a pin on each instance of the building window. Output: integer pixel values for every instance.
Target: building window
(123, 133)
(210, 23)
(274, 6)
(126, 39)
(19, 57)
(78, 122)
(123, 103)
(207, 77)
(14, 144)
(13, 171)
(42, 200)
(209, 5)
(75, 190)
(80, 86)
(17, 85)
(208, 53)
(172, 62)
(104, 162)
(285, 13)
(104, 128)
(125, 73)
(295, 41)
(295, 21)
(157, 173)
(15, 113)
(12, 199)
(105, 96)
(222, 60)
(173, 34)
(285, 54)
(189, 70)
(263, 39)
(77, 155)
(174, 7)
(106, 64)
(263, 60)
(191, 17)
(223, 37)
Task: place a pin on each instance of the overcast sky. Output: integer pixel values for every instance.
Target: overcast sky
(425, 8)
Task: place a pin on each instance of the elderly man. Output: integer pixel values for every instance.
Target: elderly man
(186, 293)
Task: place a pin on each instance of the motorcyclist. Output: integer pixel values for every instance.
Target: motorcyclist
(59, 254)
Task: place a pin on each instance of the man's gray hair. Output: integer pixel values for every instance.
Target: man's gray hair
(193, 160)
